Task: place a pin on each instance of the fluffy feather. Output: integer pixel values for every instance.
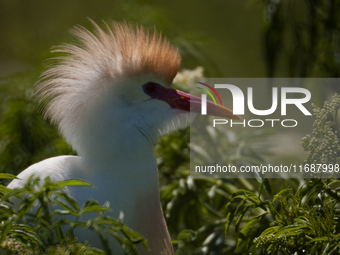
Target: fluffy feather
(99, 59)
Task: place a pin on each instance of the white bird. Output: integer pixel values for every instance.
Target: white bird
(111, 97)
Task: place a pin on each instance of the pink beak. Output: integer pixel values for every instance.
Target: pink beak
(183, 101)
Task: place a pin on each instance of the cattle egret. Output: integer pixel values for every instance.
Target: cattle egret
(110, 95)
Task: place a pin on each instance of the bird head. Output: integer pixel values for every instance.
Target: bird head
(118, 78)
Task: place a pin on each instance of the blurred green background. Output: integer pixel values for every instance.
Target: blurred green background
(228, 38)
(229, 31)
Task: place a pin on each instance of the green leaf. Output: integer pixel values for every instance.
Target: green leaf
(243, 192)
(94, 208)
(4, 190)
(103, 240)
(267, 186)
(71, 200)
(255, 200)
(107, 221)
(76, 182)
(334, 194)
(319, 239)
(7, 176)
(280, 194)
(240, 217)
(186, 234)
(134, 236)
(260, 188)
(5, 230)
(302, 191)
(124, 242)
(66, 207)
(288, 229)
(270, 231)
(245, 230)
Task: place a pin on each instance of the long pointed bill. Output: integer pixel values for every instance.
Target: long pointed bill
(183, 101)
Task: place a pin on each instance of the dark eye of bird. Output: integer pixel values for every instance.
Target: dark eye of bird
(150, 87)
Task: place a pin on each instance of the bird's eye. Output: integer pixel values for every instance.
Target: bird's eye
(150, 87)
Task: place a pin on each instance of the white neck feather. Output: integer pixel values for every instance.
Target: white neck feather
(122, 164)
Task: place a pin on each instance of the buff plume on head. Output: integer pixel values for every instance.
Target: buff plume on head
(99, 58)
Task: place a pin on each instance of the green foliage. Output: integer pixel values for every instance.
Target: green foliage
(301, 222)
(303, 36)
(323, 145)
(195, 208)
(41, 224)
(25, 137)
(298, 225)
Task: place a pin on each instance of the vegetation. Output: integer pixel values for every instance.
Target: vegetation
(47, 217)
(204, 216)
(302, 37)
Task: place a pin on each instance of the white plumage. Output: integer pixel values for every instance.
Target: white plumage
(111, 96)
